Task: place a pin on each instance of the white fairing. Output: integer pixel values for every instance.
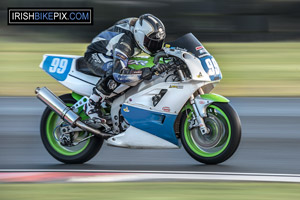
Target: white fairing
(77, 81)
(136, 138)
(193, 63)
(172, 102)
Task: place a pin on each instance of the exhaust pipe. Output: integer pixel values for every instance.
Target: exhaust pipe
(57, 105)
(66, 113)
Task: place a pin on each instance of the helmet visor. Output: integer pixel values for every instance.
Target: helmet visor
(153, 45)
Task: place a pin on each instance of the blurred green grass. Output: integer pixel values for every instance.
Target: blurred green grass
(249, 69)
(152, 190)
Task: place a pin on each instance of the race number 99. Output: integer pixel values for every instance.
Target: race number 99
(213, 67)
(58, 65)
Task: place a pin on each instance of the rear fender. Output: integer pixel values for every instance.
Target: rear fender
(76, 96)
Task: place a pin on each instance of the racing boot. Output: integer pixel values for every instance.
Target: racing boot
(92, 108)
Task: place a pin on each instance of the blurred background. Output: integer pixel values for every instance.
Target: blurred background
(214, 20)
(255, 42)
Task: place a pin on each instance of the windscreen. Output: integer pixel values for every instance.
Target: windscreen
(191, 44)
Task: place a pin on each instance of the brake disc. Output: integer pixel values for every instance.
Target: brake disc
(213, 137)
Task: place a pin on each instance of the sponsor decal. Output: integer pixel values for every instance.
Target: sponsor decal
(38, 16)
(202, 102)
(176, 86)
(137, 62)
(137, 72)
(126, 109)
(199, 75)
(198, 48)
(166, 109)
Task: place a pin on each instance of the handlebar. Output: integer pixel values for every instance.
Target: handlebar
(159, 55)
(160, 68)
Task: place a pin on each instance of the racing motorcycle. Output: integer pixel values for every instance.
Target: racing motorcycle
(174, 108)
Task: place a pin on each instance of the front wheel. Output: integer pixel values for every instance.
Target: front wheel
(84, 147)
(222, 140)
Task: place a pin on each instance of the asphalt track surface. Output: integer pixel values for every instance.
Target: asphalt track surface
(270, 142)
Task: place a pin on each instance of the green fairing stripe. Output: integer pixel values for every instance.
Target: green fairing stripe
(214, 97)
(144, 61)
(50, 125)
(191, 143)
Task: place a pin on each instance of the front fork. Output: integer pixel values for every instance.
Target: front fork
(199, 106)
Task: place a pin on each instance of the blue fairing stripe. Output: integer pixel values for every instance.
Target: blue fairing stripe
(158, 124)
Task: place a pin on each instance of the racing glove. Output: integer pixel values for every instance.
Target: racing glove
(146, 73)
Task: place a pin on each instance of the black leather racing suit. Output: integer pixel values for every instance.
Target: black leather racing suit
(108, 55)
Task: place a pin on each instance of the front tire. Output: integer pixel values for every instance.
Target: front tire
(222, 140)
(67, 154)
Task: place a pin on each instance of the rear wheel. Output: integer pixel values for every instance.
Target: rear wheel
(83, 145)
(222, 140)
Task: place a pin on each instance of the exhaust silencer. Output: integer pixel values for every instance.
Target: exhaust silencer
(57, 105)
(66, 113)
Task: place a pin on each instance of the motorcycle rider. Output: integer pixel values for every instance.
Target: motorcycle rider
(108, 54)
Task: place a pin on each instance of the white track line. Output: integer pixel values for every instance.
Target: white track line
(183, 177)
(145, 175)
(144, 171)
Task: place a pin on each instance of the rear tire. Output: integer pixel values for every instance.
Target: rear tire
(220, 143)
(70, 155)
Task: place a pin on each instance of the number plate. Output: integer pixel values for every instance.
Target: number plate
(211, 67)
(58, 67)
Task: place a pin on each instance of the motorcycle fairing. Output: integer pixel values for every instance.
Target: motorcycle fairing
(78, 82)
(139, 139)
(195, 55)
(158, 120)
(157, 123)
(68, 76)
